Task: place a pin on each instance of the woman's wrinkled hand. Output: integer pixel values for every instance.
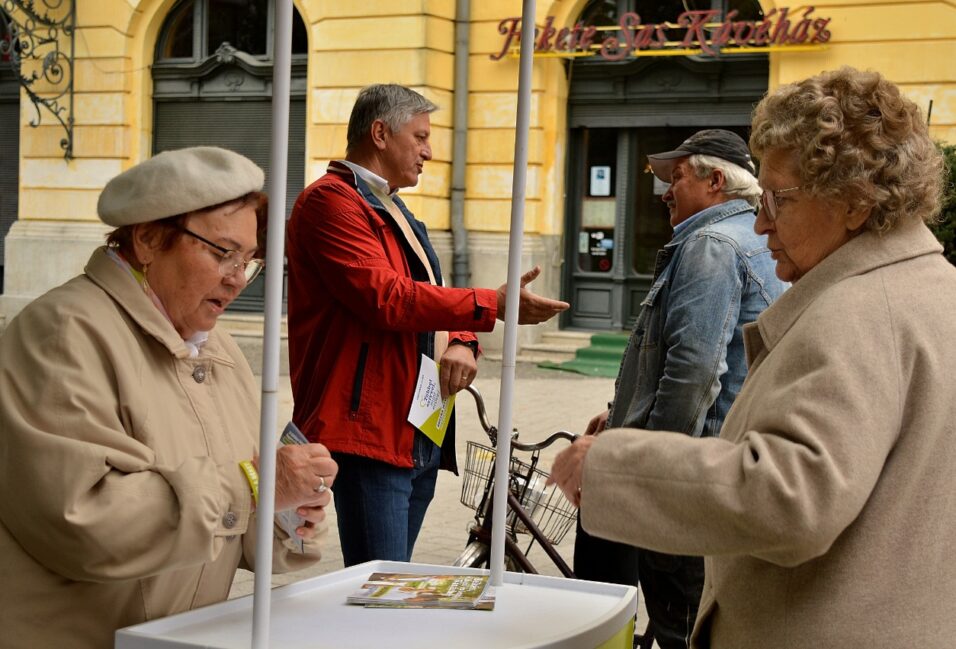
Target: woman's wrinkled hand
(304, 477)
(568, 469)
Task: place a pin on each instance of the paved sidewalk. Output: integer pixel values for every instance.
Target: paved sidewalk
(544, 401)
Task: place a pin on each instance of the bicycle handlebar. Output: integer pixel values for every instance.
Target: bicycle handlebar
(482, 414)
(491, 431)
(537, 446)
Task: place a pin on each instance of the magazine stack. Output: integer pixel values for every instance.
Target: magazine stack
(397, 590)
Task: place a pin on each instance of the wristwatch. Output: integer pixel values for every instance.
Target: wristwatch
(470, 344)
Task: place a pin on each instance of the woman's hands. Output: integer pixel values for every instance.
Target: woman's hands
(304, 477)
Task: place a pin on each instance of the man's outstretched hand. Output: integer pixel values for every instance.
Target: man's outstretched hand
(532, 308)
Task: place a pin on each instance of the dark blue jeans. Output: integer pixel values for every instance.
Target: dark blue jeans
(672, 585)
(380, 507)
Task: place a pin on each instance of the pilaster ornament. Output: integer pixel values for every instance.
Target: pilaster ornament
(37, 42)
(225, 53)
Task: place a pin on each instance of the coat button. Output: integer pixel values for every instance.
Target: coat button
(229, 520)
(199, 374)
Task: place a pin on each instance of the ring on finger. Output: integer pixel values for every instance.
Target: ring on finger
(321, 488)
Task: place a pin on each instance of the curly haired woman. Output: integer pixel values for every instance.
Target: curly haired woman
(827, 507)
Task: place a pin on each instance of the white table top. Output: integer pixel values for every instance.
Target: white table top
(530, 611)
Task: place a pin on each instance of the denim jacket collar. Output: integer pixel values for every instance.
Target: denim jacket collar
(709, 216)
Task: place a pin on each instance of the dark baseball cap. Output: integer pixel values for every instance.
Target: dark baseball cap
(716, 142)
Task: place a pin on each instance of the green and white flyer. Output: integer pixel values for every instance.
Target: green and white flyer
(428, 412)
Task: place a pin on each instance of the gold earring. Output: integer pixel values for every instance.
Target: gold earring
(145, 282)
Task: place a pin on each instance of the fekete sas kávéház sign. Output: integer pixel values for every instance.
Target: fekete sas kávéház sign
(697, 32)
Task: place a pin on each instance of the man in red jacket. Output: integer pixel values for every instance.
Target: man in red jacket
(366, 302)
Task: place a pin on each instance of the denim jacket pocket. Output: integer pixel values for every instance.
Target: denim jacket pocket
(643, 368)
(653, 292)
(649, 323)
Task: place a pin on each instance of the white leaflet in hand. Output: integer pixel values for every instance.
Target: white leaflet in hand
(428, 413)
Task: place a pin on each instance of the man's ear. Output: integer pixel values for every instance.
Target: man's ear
(717, 180)
(379, 132)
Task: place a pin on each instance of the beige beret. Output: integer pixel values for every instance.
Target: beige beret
(177, 182)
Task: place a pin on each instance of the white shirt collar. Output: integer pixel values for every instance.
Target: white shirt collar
(374, 180)
(195, 342)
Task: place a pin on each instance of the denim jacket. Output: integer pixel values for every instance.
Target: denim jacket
(684, 362)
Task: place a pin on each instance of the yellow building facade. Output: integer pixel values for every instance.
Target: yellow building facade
(117, 83)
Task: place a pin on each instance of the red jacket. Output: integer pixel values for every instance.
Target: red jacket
(361, 313)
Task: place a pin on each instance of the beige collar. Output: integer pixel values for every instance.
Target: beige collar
(129, 296)
(861, 254)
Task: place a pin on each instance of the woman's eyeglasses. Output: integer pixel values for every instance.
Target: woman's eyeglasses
(231, 261)
(769, 200)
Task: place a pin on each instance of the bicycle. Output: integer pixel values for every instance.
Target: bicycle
(534, 509)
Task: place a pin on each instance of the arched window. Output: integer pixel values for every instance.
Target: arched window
(212, 85)
(9, 134)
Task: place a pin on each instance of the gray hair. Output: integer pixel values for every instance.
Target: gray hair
(393, 104)
(738, 182)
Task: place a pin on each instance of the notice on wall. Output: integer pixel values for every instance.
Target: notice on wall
(600, 181)
(598, 212)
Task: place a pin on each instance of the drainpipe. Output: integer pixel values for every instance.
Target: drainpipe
(461, 273)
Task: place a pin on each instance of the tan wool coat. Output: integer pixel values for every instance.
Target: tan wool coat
(122, 499)
(827, 507)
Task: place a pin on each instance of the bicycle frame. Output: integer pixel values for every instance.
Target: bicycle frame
(480, 532)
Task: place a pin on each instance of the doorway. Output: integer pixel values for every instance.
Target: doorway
(618, 220)
(615, 220)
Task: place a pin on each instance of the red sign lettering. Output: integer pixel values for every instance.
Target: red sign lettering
(703, 30)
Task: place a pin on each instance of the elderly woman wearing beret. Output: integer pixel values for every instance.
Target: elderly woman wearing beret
(128, 424)
(827, 507)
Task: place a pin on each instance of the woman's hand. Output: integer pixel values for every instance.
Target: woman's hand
(304, 476)
(568, 469)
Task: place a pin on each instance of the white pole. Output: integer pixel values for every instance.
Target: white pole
(509, 352)
(265, 513)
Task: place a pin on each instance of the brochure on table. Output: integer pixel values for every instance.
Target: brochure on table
(410, 590)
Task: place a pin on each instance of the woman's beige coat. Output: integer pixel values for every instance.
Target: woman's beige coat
(828, 504)
(122, 499)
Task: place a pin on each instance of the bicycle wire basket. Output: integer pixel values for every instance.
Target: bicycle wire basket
(546, 505)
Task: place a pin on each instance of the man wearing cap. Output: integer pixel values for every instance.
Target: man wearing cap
(366, 304)
(684, 363)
